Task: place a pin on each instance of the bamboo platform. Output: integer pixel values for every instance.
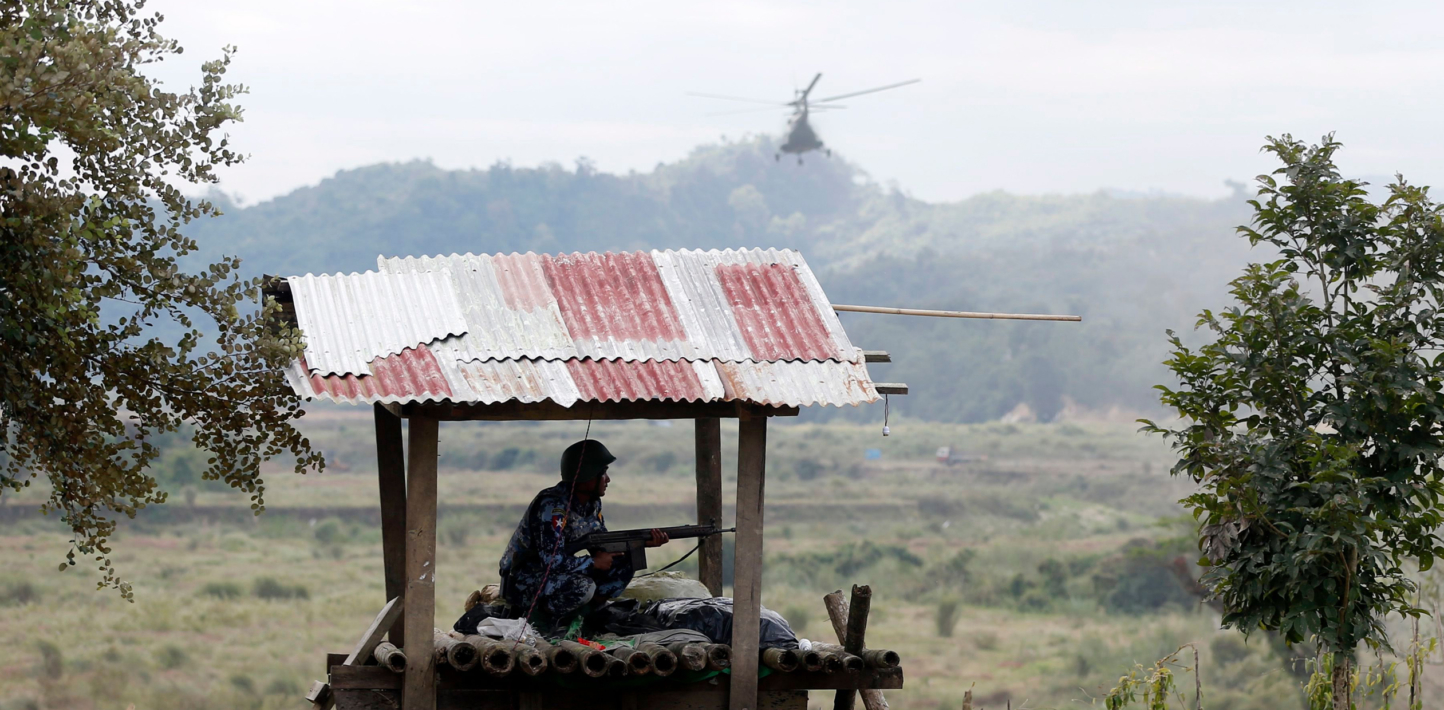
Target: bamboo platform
(377, 688)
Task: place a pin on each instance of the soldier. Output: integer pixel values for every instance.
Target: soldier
(537, 575)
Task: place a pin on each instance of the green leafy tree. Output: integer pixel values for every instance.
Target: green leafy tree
(91, 204)
(1313, 422)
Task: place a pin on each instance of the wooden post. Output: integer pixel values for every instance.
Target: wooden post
(419, 688)
(709, 502)
(840, 613)
(747, 561)
(391, 477)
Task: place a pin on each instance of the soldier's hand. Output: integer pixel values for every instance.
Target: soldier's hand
(659, 538)
(602, 561)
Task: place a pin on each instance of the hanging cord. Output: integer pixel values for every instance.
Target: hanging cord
(885, 403)
(566, 518)
(674, 563)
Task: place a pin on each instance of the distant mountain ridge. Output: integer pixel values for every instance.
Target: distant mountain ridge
(1132, 266)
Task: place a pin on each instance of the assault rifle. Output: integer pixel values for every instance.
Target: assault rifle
(633, 543)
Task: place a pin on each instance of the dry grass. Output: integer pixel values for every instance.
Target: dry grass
(1044, 492)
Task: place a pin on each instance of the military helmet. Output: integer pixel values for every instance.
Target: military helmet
(585, 460)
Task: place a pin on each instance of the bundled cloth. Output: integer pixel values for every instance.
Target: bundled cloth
(711, 617)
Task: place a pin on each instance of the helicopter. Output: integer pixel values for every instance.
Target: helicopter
(801, 137)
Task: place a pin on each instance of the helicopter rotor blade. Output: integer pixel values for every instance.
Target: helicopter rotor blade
(744, 110)
(803, 96)
(867, 91)
(739, 98)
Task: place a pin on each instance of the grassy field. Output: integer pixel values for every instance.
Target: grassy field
(1036, 572)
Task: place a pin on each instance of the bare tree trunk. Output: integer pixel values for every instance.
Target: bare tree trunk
(1342, 671)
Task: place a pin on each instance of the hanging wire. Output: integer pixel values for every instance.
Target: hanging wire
(675, 562)
(566, 518)
(885, 429)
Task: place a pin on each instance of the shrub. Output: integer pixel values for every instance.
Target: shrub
(222, 590)
(808, 469)
(455, 531)
(283, 686)
(243, 683)
(986, 641)
(506, 459)
(52, 663)
(330, 532)
(950, 576)
(171, 657)
(474, 459)
(1055, 578)
(19, 594)
(946, 617)
(270, 589)
(1228, 649)
(797, 617)
(661, 462)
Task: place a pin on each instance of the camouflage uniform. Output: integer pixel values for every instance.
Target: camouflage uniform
(571, 582)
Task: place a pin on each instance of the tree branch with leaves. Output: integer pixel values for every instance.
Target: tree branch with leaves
(1313, 422)
(91, 208)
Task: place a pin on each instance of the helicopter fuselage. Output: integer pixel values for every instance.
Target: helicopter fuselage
(800, 136)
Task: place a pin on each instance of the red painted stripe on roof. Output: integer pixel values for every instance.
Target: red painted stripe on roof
(617, 296)
(412, 372)
(523, 283)
(775, 313)
(621, 380)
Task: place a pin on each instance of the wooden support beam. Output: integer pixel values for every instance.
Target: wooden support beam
(876, 356)
(373, 634)
(551, 411)
(709, 502)
(747, 562)
(890, 387)
(839, 612)
(391, 479)
(419, 689)
(321, 696)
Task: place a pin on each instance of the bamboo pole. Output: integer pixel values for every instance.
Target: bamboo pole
(638, 663)
(454, 652)
(881, 659)
(780, 659)
(390, 657)
(528, 659)
(839, 613)
(664, 662)
(691, 656)
(594, 663)
(495, 659)
(952, 314)
(812, 661)
(719, 656)
(561, 659)
(848, 662)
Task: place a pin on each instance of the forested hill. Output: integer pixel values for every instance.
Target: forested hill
(1132, 266)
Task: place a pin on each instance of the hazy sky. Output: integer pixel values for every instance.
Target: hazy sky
(1029, 97)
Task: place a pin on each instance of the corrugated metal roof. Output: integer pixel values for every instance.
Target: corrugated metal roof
(796, 383)
(350, 319)
(663, 305)
(746, 325)
(567, 382)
